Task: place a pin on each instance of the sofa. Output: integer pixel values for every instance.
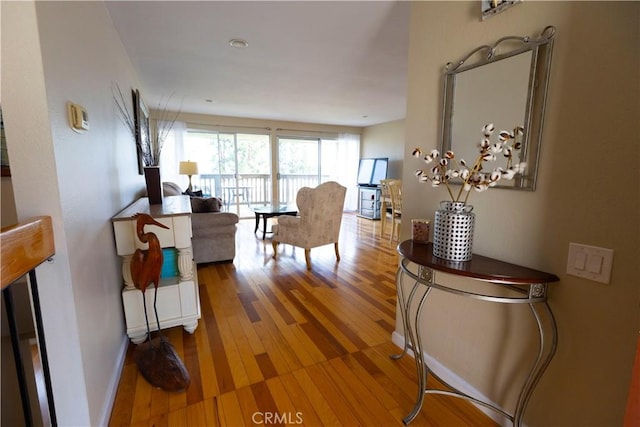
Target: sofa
(213, 231)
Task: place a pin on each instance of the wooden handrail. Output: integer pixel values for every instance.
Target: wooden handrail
(24, 246)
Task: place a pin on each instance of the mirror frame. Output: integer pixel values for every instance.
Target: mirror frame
(541, 48)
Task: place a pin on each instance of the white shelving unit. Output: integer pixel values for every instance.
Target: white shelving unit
(178, 301)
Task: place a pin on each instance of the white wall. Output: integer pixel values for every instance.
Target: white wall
(386, 140)
(59, 52)
(587, 193)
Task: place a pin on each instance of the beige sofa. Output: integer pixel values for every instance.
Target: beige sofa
(214, 232)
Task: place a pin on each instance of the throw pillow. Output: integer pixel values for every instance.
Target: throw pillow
(205, 204)
(191, 193)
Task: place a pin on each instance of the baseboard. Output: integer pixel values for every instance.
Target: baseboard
(112, 390)
(457, 382)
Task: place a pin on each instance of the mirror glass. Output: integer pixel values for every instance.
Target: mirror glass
(506, 86)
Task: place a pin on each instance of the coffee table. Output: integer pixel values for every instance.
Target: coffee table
(271, 211)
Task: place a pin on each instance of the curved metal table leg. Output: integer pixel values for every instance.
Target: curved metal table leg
(404, 304)
(421, 366)
(541, 362)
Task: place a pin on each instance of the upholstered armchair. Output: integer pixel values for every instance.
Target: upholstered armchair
(318, 221)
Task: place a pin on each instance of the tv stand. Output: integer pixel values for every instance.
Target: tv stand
(369, 202)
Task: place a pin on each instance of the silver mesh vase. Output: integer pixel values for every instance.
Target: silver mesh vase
(453, 231)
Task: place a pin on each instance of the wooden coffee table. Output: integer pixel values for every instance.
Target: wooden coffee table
(271, 211)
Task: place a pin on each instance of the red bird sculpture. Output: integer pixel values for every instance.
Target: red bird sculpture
(146, 265)
(159, 363)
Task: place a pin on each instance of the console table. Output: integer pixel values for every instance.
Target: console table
(178, 301)
(513, 284)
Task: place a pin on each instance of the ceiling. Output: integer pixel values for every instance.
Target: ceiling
(340, 63)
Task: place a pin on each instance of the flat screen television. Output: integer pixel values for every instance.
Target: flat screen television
(372, 170)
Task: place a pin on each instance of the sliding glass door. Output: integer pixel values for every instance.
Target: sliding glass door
(245, 171)
(233, 166)
(298, 166)
(306, 162)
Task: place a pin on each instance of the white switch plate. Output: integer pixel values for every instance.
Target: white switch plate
(590, 262)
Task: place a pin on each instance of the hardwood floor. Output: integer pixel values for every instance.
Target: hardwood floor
(279, 345)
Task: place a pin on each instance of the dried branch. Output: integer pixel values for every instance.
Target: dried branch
(126, 116)
(448, 167)
(150, 150)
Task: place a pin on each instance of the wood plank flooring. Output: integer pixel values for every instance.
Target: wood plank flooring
(280, 345)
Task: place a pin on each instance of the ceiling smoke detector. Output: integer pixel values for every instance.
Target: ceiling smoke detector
(238, 43)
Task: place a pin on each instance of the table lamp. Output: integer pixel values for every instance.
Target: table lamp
(189, 168)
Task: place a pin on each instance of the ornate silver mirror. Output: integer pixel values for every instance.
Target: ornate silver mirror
(504, 84)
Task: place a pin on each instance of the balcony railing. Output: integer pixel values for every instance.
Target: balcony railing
(254, 189)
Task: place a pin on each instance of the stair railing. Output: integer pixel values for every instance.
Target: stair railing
(23, 247)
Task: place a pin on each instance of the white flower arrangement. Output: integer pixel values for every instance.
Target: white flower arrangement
(449, 168)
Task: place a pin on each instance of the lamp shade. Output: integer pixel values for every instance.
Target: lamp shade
(188, 168)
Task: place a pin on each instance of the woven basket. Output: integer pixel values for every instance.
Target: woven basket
(453, 231)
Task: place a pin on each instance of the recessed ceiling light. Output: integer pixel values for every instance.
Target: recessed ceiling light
(238, 43)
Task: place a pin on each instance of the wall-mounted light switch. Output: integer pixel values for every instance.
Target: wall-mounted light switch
(594, 264)
(590, 262)
(580, 261)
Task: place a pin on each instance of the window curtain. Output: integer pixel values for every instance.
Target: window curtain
(349, 156)
(172, 154)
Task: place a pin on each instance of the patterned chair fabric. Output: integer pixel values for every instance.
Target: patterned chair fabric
(318, 221)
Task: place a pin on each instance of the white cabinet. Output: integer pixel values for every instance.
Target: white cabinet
(369, 202)
(178, 300)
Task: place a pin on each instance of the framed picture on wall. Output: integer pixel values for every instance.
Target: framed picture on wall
(493, 7)
(3, 148)
(143, 136)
